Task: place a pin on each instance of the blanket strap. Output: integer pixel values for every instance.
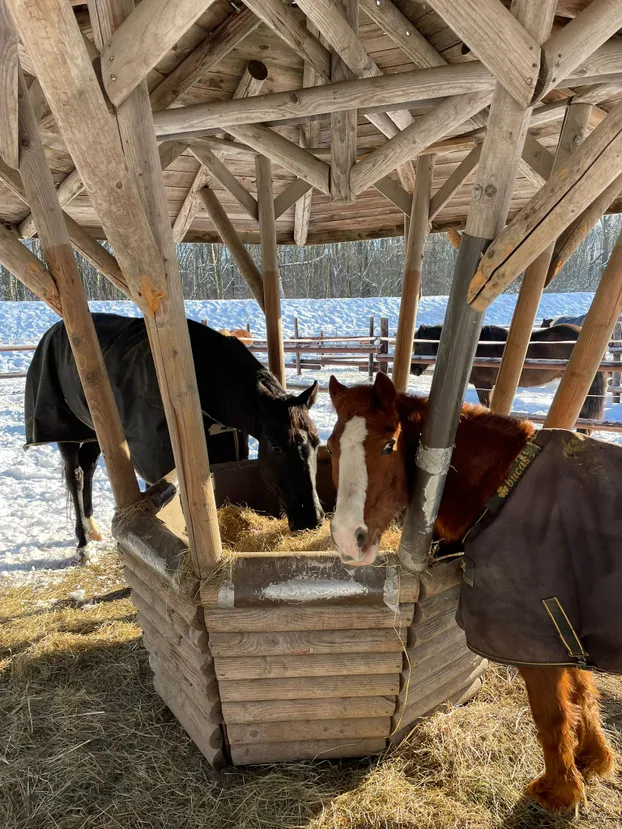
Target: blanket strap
(566, 632)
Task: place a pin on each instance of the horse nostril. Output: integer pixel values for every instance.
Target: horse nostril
(361, 537)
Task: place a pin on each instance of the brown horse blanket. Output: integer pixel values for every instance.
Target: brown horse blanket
(542, 570)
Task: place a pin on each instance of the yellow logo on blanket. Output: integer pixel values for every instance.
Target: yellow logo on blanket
(517, 469)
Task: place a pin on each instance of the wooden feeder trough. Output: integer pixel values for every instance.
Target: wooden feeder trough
(290, 656)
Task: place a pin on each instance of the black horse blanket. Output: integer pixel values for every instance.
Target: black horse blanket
(56, 409)
(542, 571)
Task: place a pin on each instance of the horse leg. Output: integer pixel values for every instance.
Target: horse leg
(74, 480)
(557, 722)
(88, 456)
(484, 396)
(593, 756)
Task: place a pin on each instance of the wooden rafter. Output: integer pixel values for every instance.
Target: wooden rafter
(343, 123)
(292, 194)
(455, 181)
(190, 206)
(400, 89)
(402, 32)
(538, 158)
(207, 54)
(9, 148)
(410, 142)
(395, 193)
(598, 92)
(142, 40)
(218, 170)
(309, 137)
(284, 152)
(593, 167)
(229, 236)
(486, 24)
(569, 47)
(29, 269)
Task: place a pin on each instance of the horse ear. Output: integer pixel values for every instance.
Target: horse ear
(384, 391)
(308, 396)
(336, 389)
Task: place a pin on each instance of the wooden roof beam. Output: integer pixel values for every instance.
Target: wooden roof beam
(343, 123)
(536, 163)
(191, 206)
(291, 196)
(231, 239)
(384, 90)
(589, 171)
(281, 151)
(309, 137)
(218, 170)
(143, 39)
(205, 57)
(392, 191)
(455, 181)
(570, 46)
(29, 269)
(9, 65)
(496, 37)
(597, 93)
(403, 33)
(412, 141)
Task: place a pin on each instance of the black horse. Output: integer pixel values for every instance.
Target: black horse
(547, 323)
(554, 343)
(235, 390)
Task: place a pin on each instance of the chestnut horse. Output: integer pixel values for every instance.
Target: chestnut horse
(373, 448)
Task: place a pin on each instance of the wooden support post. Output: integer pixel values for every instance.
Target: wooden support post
(343, 124)
(573, 131)
(370, 359)
(309, 137)
(41, 194)
(383, 348)
(496, 173)
(9, 65)
(296, 336)
(590, 347)
(230, 238)
(270, 267)
(616, 376)
(413, 263)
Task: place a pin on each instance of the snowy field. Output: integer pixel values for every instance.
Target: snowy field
(36, 530)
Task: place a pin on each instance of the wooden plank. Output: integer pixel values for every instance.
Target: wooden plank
(289, 197)
(286, 25)
(343, 123)
(439, 578)
(215, 166)
(455, 181)
(596, 163)
(309, 137)
(571, 45)
(435, 677)
(271, 732)
(437, 605)
(41, 194)
(282, 151)
(424, 656)
(9, 65)
(440, 624)
(483, 25)
(295, 710)
(205, 57)
(160, 615)
(252, 80)
(460, 697)
(209, 705)
(381, 640)
(538, 157)
(141, 578)
(270, 268)
(306, 619)
(142, 40)
(309, 688)
(265, 667)
(230, 238)
(593, 340)
(68, 189)
(256, 754)
(402, 32)
(28, 268)
(410, 142)
(400, 89)
(413, 265)
(161, 637)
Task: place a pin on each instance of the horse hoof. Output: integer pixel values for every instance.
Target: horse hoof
(557, 795)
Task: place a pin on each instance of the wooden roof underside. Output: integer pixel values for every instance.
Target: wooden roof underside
(372, 215)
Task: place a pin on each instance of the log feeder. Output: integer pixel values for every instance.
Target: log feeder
(128, 124)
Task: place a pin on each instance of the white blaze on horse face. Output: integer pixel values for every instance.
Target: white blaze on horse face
(351, 490)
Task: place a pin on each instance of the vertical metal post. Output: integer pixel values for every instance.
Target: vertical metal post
(383, 364)
(456, 352)
(370, 359)
(297, 335)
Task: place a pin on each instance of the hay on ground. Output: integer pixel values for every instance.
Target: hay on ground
(85, 743)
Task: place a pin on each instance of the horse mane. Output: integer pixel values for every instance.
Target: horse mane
(486, 445)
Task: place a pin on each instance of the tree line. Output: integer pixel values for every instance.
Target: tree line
(346, 269)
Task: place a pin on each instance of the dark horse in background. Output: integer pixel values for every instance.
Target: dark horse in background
(235, 390)
(554, 343)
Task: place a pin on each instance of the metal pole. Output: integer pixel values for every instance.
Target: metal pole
(456, 352)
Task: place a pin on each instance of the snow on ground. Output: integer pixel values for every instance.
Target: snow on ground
(36, 527)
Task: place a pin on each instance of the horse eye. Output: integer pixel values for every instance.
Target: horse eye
(389, 447)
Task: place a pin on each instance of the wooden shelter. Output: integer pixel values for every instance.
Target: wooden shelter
(281, 123)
